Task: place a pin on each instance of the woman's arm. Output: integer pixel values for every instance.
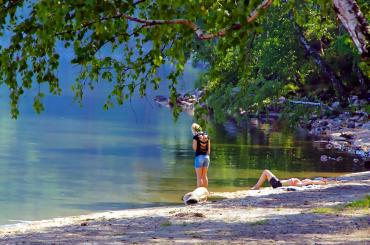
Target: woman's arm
(209, 147)
(194, 145)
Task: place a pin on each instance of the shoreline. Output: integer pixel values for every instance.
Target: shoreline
(342, 132)
(345, 133)
(264, 216)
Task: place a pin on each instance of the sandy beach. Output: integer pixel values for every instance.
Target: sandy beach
(310, 215)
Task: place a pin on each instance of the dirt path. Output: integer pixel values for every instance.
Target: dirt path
(267, 216)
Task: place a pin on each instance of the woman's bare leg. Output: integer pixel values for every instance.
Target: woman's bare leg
(314, 182)
(198, 172)
(204, 177)
(266, 175)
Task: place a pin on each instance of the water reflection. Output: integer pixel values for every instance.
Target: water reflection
(88, 160)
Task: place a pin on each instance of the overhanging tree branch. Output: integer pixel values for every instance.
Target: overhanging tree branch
(198, 31)
(190, 24)
(255, 13)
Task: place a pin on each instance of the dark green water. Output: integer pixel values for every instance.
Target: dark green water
(72, 160)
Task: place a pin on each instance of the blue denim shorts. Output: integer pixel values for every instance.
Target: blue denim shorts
(201, 161)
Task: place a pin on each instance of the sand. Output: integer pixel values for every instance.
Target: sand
(266, 216)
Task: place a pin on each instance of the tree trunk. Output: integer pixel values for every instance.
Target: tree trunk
(355, 23)
(325, 68)
(363, 81)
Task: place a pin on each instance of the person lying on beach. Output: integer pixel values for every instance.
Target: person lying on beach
(275, 182)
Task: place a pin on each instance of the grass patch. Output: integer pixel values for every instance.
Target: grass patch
(166, 223)
(360, 204)
(325, 210)
(354, 205)
(259, 222)
(367, 108)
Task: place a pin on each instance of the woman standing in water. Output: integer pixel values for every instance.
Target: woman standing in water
(202, 148)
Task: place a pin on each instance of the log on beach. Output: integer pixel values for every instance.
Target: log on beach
(199, 195)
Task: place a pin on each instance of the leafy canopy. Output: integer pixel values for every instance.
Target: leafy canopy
(253, 57)
(140, 36)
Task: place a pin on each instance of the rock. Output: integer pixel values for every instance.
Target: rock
(335, 105)
(336, 122)
(340, 145)
(338, 138)
(329, 146)
(323, 123)
(344, 115)
(366, 126)
(360, 153)
(323, 158)
(200, 194)
(353, 98)
(338, 159)
(282, 99)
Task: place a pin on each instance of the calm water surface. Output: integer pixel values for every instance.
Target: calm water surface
(72, 160)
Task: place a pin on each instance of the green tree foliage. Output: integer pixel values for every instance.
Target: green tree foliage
(141, 36)
(272, 63)
(254, 58)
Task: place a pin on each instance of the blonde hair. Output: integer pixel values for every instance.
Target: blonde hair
(195, 128)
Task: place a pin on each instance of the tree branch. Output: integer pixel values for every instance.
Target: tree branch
(325, 68)
(10, 4)
(138, 2)
(198, 31)
(255, 13)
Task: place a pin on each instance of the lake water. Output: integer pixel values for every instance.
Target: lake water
(72, 160)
